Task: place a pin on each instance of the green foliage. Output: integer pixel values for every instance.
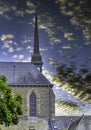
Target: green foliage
(5, 114)
(10, 106)
(3, 78)
(77, 79)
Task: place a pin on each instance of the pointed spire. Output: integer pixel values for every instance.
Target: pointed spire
(36, 57)
(36, 38)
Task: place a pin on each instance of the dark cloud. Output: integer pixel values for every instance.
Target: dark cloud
(74, 81)
(79, 13)
(69, 107)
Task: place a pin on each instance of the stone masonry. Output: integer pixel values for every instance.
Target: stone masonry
(45, 103)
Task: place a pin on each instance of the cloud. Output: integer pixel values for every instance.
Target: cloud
(69, 36)
(41, 26)
(20, 56)
(19, 48)
(69, 13)
(31, 51)
(68, 108)
(54, 40)
(19, 13)
(6, 36)
(48, 74)
(27, 39)
(52, 61)
(31, 7)
(88, 111)
(13, 7)
(68, 47)
(29, 47)
(68, 56)
(87, 35)
(4, 53)
(11, 49)
(68, 80)
(70, 7)
(43, 49)
(15, 56)
(7, 40)
(9, 10)
(3, 8)
(78, 16)
(74, 21)
(47, 23)
(27, 60)
(65, 102)
(29, 11)
(7, 43)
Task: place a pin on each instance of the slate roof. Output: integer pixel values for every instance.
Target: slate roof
(74, 125)
(72, 122)
(22, 73)
(63, 122)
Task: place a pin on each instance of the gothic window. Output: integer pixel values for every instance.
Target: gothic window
(33, 104)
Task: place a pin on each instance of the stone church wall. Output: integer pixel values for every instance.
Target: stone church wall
(45, 100)
(31, 124)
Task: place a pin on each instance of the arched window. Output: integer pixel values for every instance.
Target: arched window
(33, 104)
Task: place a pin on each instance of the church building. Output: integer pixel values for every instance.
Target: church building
(38, 97)
(27, 79)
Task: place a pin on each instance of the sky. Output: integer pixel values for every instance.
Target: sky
(64, 36)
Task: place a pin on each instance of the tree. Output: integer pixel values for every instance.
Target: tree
(75, 80)
(10, 105)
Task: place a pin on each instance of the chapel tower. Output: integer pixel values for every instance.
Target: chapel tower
(36, 57)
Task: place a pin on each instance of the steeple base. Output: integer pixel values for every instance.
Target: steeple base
(37, 61)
